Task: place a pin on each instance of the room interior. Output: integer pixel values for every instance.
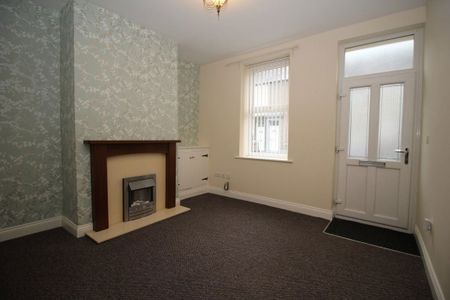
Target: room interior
(225, 149)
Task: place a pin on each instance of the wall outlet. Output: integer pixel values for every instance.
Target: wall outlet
(428, 224)
(226, 176)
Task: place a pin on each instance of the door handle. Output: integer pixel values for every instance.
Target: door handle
(405, 152)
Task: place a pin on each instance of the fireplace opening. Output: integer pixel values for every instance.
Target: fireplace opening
(139, 196)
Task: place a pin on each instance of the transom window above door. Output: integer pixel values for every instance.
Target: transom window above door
(380, 57)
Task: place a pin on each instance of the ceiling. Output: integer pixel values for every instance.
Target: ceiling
(246, 24)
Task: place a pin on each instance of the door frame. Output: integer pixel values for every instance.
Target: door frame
(417, 31)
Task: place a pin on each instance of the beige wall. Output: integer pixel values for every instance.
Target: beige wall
(314, 65)
(434, 187)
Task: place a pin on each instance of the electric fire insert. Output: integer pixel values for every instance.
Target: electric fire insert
(139, 196)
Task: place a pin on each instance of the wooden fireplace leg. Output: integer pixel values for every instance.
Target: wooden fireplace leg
(99, 184)
(171, 161)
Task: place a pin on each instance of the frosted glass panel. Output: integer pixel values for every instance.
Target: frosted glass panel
(392, 55)
(359, 122)
(390, 125)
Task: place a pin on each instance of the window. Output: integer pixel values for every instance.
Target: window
(358, 139)
(386, 56)
(265, 110)
(390, 122)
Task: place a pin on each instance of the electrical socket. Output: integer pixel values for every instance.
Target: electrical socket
(428, 224)
(226, 176)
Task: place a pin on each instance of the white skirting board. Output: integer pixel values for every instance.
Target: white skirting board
(76, 230)
(326, 214)
(43, 225)
(29, 228)
(192, 192)
(436, 289)
(80, 230)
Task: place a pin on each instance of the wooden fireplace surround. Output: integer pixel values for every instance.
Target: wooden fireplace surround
(102, 149)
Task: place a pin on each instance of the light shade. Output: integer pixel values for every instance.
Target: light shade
(214, 4)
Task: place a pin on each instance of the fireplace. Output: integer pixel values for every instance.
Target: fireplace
(139, 196)
(101, 150)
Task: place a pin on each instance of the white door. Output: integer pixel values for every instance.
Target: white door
(375, 145)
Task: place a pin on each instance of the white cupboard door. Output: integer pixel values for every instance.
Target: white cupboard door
(192, 168)
(199, 160)
(184, 171)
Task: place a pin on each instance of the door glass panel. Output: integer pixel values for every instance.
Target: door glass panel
(390, 124)
(392, 55)
(359, 122)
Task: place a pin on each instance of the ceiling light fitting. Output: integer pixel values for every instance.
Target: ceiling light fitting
(214, 4)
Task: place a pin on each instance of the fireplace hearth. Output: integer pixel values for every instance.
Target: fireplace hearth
(139, 197)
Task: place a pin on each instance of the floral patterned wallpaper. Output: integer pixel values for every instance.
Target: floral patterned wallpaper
(82, 73)
(30, 156)
(125, 87)
(67, 82)
(188, 97)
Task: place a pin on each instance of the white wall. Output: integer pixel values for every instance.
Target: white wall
(314, 65)
(434, 187)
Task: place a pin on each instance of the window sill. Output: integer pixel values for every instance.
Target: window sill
(286, 161)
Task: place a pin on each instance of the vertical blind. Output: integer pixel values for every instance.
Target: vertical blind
(267, 109)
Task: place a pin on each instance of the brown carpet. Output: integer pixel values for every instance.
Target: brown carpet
(222, 249)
